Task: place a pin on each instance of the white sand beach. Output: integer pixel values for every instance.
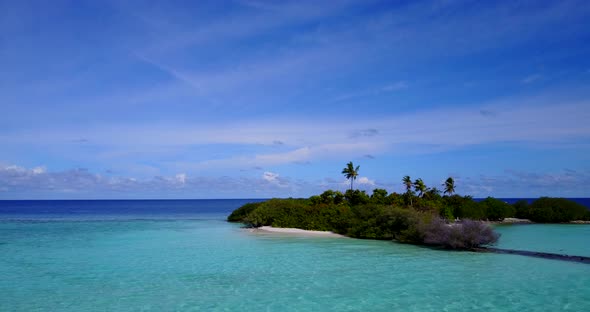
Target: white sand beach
(270, 229)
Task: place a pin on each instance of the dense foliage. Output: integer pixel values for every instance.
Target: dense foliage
(239, 214)
(421, 215)
(378, 216)
(551, 210)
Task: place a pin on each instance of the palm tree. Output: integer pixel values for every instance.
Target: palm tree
(408, 184)
(350, 172)
(420, 187)
(432, 193)
(449, 186)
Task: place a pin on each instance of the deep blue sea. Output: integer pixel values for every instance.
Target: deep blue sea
(582, 201)
(119, 209)
(181, 255)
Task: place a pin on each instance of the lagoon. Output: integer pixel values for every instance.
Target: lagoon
(181, 259)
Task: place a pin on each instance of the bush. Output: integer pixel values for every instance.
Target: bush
(367, 222)
(468, 234)
(521, 209)
(395, 199)
(239, 214)
(331, 197)
(298, 213)
(381, 222)
(464, 207)
(356, 197)
(379, 196)
(496, 210)
(447, 213)
(547, 209)
(279, 213)
(258, 217)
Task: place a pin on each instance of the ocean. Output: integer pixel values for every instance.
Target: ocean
(181, 255)
(582, 201)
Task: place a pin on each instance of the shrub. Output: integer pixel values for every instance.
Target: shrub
(495, 209)
(381, 222)
(457, 204)
(258, 218)
(379, 196)
(298, 213)
(468, 234)
(521, 209)
(315, 200)
(277, 212)
(434, 205)
(409, 228)
(331, 197)
(395, 199)
(462, 207)
(447, 213)
(239, 214)
(367, 222)
(547, 209)
(356, 197)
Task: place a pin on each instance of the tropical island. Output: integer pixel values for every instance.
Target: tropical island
(421, 215)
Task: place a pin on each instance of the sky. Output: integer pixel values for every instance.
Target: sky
(258, 99)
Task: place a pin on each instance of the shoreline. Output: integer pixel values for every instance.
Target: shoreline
(295, 231)
(509, 221)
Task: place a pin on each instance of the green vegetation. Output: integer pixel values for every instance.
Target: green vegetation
(356, 214)
(551, 210)
(241, 213)
(496, 210)
(418, 216)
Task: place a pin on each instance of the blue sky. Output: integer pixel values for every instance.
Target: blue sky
(251, 99)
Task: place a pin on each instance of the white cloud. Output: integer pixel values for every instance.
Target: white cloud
(270, 176)
(532, 120)
(19, 182)
(274, 179)
(13, 168)
(181, 178)
(38, 170)
(517, 183)
(365, 181)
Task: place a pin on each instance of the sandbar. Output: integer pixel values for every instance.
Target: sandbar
(294, 231)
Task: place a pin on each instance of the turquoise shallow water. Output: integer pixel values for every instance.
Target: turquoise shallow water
(571, 239)
(209, 265)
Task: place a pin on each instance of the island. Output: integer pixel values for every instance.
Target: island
(421, 215)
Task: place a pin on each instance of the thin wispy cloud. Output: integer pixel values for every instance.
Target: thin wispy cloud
(370, 132)
(513, 182)
(487, 113)
(532, 78)
(187, 96)
(522, 120)
(395, 87)
(80, 183)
